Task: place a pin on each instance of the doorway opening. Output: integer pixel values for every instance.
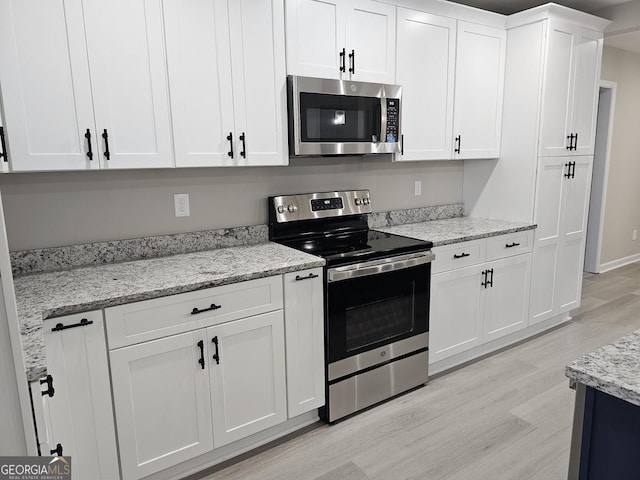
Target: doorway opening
(595, 220)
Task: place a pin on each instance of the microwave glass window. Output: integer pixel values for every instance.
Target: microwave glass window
(339, 118)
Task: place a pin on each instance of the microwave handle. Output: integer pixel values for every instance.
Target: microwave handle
(381, 124)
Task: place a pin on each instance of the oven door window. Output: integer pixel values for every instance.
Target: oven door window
(339, 118)
(368, 312)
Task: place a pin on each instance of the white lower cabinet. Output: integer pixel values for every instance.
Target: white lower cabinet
(476, 304)
(247, 374)
(72, 404)
(163, 407)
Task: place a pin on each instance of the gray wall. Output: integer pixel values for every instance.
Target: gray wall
(622, 209)
(54, 209)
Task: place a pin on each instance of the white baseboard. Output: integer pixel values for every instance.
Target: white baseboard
(621, 262)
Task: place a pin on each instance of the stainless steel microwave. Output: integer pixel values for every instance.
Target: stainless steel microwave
(341, 117)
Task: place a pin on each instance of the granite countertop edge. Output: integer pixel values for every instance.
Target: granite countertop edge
(485, 235)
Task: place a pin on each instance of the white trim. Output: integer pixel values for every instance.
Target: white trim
(613, 86)
(620, 262)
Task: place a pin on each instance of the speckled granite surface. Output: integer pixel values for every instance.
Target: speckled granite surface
(101, 253)
(414, 215)
(46, 295)
(454, 230)
(613, 369)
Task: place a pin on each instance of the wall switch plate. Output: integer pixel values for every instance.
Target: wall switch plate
(181, 202)
(634, 235)
(418, 188)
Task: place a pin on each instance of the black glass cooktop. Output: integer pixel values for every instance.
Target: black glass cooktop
(358, 246)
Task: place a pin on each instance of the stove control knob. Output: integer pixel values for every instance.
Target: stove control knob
(292, 208)
(358, 201)
(281, 209)
(365, 201)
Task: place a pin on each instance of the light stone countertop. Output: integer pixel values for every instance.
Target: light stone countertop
(53, 294)
(459, 229)
(612, 369)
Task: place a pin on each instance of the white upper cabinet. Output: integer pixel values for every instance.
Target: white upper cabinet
(46, 88)
(426, 68)
(570, 88)
(228, 81)
(129, 81)
(480, 61)
(341, 39)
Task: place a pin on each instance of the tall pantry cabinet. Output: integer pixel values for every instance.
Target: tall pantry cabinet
(544, 173)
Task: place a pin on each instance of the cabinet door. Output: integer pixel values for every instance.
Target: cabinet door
(425, 69)
(588, 55)
(575, 204)
(162, 403)
(556, 92)
(371, 42)
(479, 91)
(80, 410)
(199, 65)
(454, 321)
(259, 81)
(304, 338)
(46, 89)
(315, 37)
(549, 196)
(248, 386)
(505, 304)
(129, 79)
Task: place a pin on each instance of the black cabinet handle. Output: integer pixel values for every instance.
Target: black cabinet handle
(488, 278)
(230, 138)
(213, 306)
(87, 135)
(568, 174)
(402, 144)
(352, 62)
(575, 142)
(511, 245)
(462, 255)
(201, 361)
(243, 152)
(484, 279)
(308, 277)
(216, 356)
(343, 67)
(83, 323)
(458, 143)
(57, 451)
(491, 281)
(573, 168)
(49, 381)
(3, 146)
(105, 135)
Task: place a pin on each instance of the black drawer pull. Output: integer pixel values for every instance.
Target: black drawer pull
(510, 245)
(243, 152)
(308, 277)
(343, 67)
(230, 138)
(57, 451)
(458, 141)
(87, 135)
(3, 146)
(462, 255)
(49, 381)
(107, 153)
(201, 360)
(83, 323)
(216, 356)
(352, 60)
(213, 306)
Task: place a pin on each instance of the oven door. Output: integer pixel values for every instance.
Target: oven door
(377, 303)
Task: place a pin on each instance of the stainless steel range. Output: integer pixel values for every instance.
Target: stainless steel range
(376, 296)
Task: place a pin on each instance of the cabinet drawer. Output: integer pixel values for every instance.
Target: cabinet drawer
(160, 317)
(503, 246)
(458, 255)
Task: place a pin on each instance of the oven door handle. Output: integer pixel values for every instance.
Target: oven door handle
(376, 267)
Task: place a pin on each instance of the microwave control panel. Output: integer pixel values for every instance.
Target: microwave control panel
(393, 107)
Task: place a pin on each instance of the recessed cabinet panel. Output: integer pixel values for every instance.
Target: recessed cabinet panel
(547, 215)
(199, 65)
(162, 403)
(248, 373)
(129, 80)
(46, 89)
(425, 67)
(480, 61)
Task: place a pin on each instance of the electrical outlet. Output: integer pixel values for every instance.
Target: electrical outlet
(181, 202)
(634, 235)
(418, 188)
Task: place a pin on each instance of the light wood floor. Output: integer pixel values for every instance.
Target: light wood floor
(505, 417)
